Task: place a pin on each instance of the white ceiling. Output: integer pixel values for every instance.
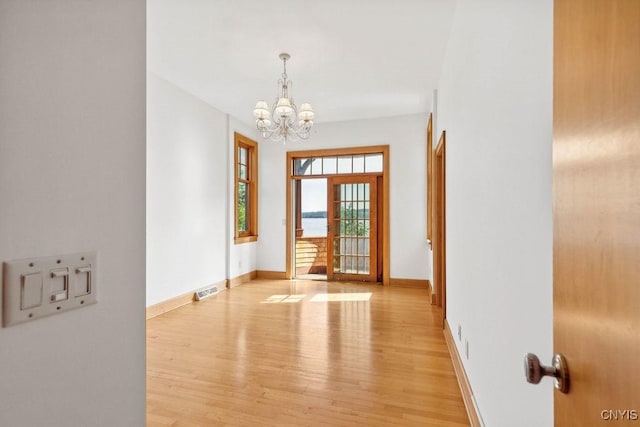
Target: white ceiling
(351, 59)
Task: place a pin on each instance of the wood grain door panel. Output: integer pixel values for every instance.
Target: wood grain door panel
(596, 174)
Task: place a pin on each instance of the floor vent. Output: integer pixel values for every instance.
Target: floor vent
(206, 292)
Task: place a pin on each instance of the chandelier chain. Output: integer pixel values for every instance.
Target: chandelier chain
(284, 66)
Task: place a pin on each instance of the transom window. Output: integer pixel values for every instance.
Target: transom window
(338, 165)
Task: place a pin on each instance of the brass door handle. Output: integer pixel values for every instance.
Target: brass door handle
(534, 371)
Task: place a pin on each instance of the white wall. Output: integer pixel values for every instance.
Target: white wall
(72, 178)
(495, 102)
(190, 194)
(186, 196)
(406, 136)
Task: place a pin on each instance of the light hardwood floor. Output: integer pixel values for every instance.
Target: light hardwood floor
(277, 353)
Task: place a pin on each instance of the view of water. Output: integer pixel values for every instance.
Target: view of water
(314, 227)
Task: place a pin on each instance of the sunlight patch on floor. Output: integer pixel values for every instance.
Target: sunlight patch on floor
(275, 299)
(332, 297)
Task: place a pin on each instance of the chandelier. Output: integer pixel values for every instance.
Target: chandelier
(284, 121)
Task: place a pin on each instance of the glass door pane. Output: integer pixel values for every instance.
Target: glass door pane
(353, 228)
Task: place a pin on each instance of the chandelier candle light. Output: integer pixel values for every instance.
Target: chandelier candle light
(284, 121)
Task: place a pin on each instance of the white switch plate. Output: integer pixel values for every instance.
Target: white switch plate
(21, 299)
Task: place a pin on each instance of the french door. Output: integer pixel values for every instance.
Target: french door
(352, 228)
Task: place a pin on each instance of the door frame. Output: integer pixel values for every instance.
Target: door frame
(439, 226)
(383, 217)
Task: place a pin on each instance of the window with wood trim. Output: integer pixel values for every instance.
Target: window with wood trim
(246, 189)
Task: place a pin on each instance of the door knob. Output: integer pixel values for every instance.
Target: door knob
(534, 371)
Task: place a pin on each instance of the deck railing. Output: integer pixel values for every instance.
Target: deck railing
(311, 255)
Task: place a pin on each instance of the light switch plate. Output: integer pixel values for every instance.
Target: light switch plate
(67, 282)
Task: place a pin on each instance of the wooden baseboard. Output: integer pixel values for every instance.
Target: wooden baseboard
(175, 302)
(239, 280)
(272, 275)
(256, 274)
(463, 380)
(168, 305)
(409, 283)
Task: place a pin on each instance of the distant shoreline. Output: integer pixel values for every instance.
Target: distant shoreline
(315, 214)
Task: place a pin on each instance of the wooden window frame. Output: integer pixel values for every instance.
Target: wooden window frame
(241, 141)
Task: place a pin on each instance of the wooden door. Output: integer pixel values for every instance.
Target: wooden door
(439, 226)
(352, 237)
(596, 174)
